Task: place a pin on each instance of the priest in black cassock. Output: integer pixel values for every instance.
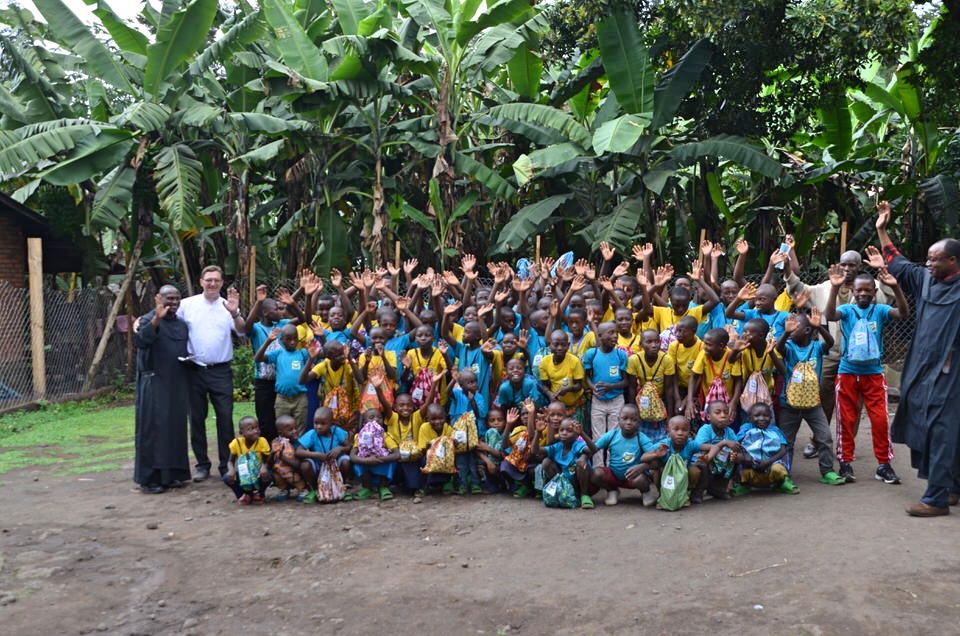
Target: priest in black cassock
(162, 460)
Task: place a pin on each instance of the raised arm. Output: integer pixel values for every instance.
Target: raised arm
(836, 280)
(902, 309)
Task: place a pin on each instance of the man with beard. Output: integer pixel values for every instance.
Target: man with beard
(161, 461)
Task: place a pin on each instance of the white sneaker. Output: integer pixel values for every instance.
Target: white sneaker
(613, 496)
(650, 497)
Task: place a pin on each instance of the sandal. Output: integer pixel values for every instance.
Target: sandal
(586, 502)
(362, 494)
(832, 479)
(385, 494)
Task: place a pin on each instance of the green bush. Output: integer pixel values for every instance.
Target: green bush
(242, 373)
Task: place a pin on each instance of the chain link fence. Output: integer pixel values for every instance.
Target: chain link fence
(73, 324)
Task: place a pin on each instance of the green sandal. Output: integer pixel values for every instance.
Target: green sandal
(521, 492)
(385, 494)
(788, 487)
(740, 490)
(310, 497)
(363, 494)
(832, 479)
(586, 502)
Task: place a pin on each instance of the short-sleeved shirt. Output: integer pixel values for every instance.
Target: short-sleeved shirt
(876, 316)
(793, 355)
(563, 375)
(459, 404)
(258, 334)
(666, 317)
(474, 360)
(630, 344)
(580, 346)
(567, 461)
(761, 443)
(261, 447)
(323, 444)
(777, 320)
(510, 397)
(750, 363)
(688, 453)
(656, 373)
(289, 364)
(624, 451)
(332, 378)
(377, 362)
(606, 367)
(708, 369)
(707, 435)
(683, 359)
(427, 434)
(399, 431)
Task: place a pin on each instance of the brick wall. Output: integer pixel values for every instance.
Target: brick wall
(13, 252)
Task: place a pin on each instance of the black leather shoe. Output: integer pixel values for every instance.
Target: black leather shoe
(202, 474)
(152, 489)
(176, 483)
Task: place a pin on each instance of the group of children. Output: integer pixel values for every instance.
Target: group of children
(558, 381)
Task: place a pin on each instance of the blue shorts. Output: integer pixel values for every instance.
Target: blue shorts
(381, 470)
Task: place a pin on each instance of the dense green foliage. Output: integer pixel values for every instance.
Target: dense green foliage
(320, 132)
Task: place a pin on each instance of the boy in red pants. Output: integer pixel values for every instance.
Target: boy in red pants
(860, 374)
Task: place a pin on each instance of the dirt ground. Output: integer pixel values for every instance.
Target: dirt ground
(89, 554)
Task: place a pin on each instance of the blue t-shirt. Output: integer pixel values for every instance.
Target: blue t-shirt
(567, 461)
(605, 367)
(508, 397)
(624, 451)
(762, 443)
(536, 347)
(717, 319)
(459, 404)
(688, 453)
(317, 444)
(706, 435)
(258, 335)
(876, 316)
(474, 360)
(777, 320)
(342, 336)
(792, 355)
(289, 364)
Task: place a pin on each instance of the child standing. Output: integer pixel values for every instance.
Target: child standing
(329, 364)
(800, 398)
(562, 375)
(605, 372)
(467, 400)
(284, 465)
(652, 375)
(765, 449)
(289, 362)
(860, 375)
(248, 474)
(715, 376)
(757, 355)
(684, 351)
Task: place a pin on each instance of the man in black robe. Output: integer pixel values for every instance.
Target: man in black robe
(162, 460)
(927, 417)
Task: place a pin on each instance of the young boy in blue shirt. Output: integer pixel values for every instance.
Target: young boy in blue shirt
(720, 449)
(625, 445)
(570, 457)
(605, 373)
(324, 443)
(860, 375)
(799, 351)
(679, 441)
(765, 449)
(289, 362)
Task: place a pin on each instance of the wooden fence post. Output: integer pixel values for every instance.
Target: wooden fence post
(37, 353)
(252, 278)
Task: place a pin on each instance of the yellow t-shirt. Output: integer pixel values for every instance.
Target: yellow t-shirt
(435, 363)
(457, 331)
(665, 365)
(683, 359)
(783, 302)
(708, 369)
(750, 362)
(239, 447)
(399, 432)
(632, 342)
(640, 326)
(331, 378)
(376, 362)
(563, 375)
(579, 347)
(427, 434)
(665, 317)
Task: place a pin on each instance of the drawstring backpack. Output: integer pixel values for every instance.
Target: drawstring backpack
(440, 457)
(420, 388)
(717, 389)
(337, 399)
(803, 388)
(755, 389)
(674, 484)
(465, 434)
(649, 402)
(559, 493)
(862, 343)
(248, 467)
(370, 441)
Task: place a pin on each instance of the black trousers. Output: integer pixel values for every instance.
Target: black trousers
(213, 383)
(264, 398)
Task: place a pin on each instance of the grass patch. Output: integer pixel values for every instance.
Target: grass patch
(80, 437)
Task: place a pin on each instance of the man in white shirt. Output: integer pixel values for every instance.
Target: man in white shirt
(212, 322)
